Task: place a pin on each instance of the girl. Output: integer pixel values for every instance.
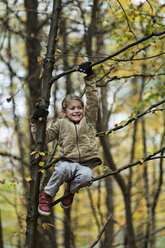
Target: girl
(75, 132)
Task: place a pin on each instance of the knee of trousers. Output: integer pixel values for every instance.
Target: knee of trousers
(60, 172)
(86, 177)
(64, 171)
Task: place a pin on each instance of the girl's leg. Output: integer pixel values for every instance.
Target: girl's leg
(83, 177)
(64, 172)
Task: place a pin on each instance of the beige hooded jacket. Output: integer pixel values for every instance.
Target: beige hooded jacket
(77, 141)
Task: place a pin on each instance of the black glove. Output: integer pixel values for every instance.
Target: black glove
(39, 112)
(86, 68)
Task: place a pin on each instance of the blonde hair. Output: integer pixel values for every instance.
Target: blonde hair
(67, 100)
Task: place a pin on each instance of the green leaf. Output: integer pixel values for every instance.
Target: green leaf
(42, 153)
(41, 163)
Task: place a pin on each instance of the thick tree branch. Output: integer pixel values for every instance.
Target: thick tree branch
(112, 173)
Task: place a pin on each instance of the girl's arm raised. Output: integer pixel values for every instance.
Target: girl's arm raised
(92, 102)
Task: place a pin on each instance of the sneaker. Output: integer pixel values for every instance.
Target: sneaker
(44, 204)
(67, 202)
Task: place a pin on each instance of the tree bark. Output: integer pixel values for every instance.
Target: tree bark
(126, 194)
(33, 49)
(32, 216)
(109, 231)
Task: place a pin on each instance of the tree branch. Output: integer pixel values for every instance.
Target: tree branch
(6, 154)
(53, 79)
(140, 161)
(149, 110)
(101, 232)
(129, 26)
(129, 76)
(144, 58)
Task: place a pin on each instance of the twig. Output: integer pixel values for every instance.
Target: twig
(144, 58)
(101, 232)
(152, 76)
(149, 110)
(150, 5)
(129, 26)
(9, 155)
(155, 73)
(141, 161)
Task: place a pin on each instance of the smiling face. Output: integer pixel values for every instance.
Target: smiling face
(74, 111)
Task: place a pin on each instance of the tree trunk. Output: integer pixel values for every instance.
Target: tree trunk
(32, 216)
(68, 234)
(128, 214)
(33, 49)
(109, 231)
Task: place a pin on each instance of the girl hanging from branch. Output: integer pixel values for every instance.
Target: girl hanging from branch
(76, 135)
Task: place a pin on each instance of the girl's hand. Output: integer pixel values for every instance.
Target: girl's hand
(86, 68)
(39, 112)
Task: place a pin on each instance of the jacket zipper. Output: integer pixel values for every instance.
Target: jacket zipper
(77, 144)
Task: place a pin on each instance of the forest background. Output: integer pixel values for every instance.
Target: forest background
(125, 43)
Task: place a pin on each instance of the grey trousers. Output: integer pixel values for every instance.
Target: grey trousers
(78, 175)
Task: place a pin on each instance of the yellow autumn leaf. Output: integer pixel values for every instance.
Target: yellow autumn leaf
(33, 152)
(130, 124)
(41, 170)
(44, 225)
(123, 123)
(28, 179)
(107, 132)
(40, 76)
(39, 59)
(58, 50)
